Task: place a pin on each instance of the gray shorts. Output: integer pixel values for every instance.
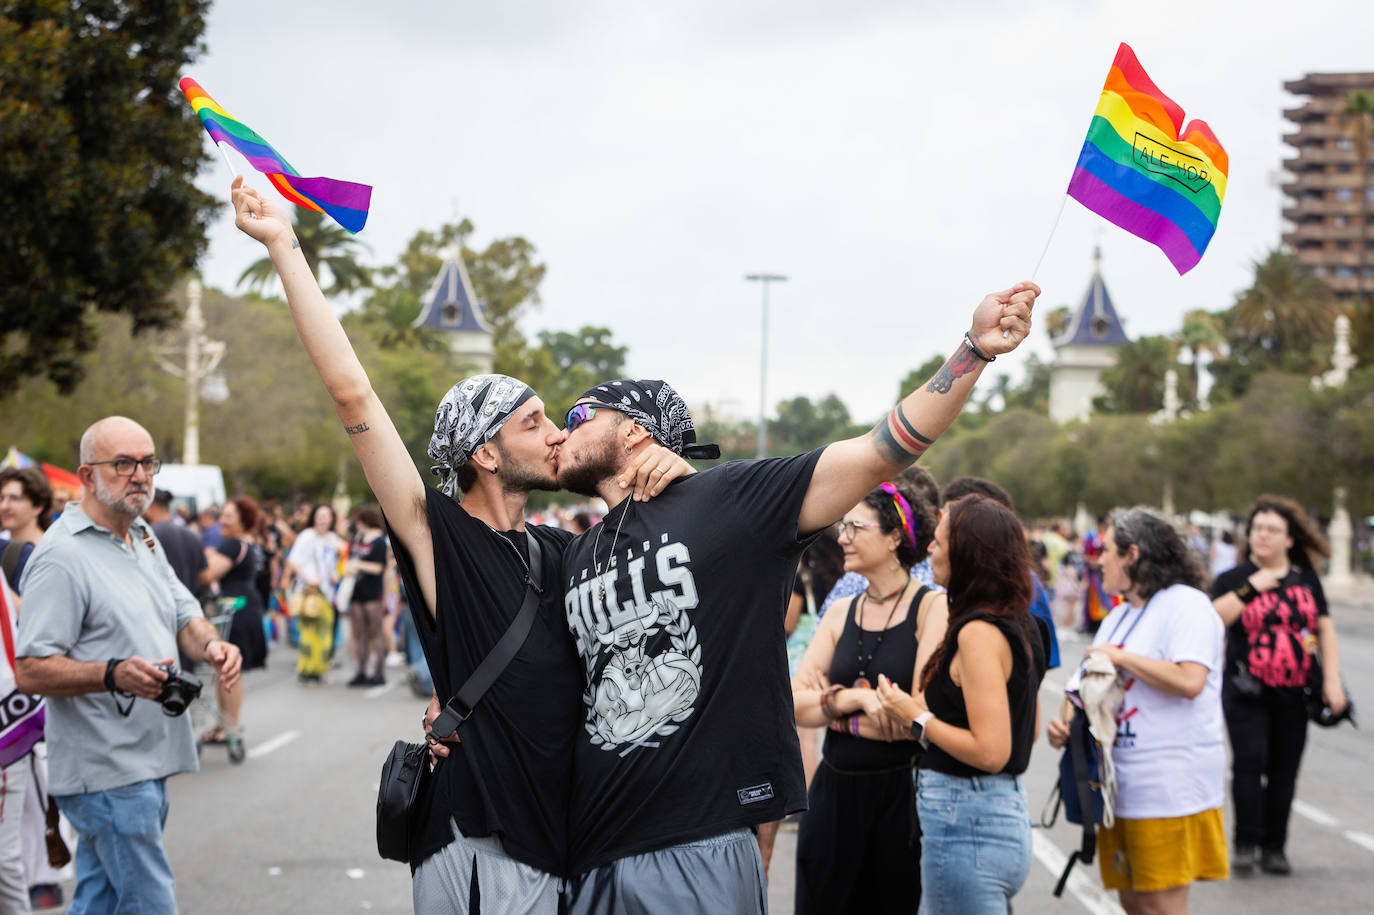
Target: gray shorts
(477, 876)
(722, 874)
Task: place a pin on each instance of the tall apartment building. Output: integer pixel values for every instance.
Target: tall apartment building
(1322, 210)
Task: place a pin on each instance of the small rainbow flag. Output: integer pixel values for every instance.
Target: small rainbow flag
(345, 201)
(1143, 170)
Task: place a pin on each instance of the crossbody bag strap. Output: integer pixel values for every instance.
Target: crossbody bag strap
(480, 680)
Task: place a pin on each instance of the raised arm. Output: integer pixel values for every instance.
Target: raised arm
(848, 470)
(387, 464)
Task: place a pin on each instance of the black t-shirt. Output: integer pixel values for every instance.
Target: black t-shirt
(368, 585)
(687, 727)
(894, 656)
(511, 775)
(1269, 635)
(946, 699)
(184, 551)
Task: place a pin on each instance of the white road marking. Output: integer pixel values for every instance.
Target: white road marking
(1092, 896)
(1051, 685)
(1362, 839)
(382, 690)
(355, 873)
(1315, 814)
(271, 746)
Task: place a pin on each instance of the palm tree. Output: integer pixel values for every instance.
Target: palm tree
(324, 244)
(1359, 114)
(1286, 310)
(1201, 332)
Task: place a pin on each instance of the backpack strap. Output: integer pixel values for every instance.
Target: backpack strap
(1078, 753)
(10, 560)
(480, 680)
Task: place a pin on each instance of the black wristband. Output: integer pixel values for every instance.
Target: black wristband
(1246, 592)
(973, 348)
(110, 665)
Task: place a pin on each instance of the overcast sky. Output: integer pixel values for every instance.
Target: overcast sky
(895, 161)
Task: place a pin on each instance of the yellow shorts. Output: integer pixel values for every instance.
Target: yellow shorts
(1160, 854)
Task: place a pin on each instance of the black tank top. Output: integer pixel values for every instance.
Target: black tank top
(895, 658)
(946, 699)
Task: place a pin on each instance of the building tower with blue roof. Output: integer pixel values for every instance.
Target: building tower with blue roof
(1085, 348)
(451, 307)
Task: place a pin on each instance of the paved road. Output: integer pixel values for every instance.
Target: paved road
(291, 830)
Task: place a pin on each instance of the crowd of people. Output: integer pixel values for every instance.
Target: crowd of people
(638, 747)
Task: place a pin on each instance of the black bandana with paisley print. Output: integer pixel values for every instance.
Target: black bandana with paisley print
(659, 409)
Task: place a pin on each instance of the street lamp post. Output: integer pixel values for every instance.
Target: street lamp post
(765, 279)
(202, 356)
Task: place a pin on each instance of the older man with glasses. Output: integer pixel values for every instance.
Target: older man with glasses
(104, 616)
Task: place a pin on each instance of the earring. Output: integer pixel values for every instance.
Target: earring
(495, 469)
(629, 450)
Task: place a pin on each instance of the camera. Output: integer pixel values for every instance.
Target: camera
(178, 690)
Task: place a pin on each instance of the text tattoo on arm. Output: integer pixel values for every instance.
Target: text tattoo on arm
(354, 430)
(957, 366)
(898, 439)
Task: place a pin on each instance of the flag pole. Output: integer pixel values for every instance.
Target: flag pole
(1045, 250)
(233, 172)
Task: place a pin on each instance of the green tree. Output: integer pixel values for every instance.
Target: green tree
(566, 364)
(327, 246)
(1033, 393)
(1287, 311)
(1135, 382)
(1057, 321)
(1201, 333)
(802, 425)
(99, 151)
(1358, 112)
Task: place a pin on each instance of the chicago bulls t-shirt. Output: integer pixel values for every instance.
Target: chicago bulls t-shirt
(677, 607)
(1272, 635)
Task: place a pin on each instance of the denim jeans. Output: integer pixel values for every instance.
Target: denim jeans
(120, 864)
(976, 843)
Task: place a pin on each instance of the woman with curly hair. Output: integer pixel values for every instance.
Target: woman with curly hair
(977, 713)
(1169, 752)
(1276, 618)
(858, 844)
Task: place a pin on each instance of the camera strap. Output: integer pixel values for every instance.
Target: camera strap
(480, 680)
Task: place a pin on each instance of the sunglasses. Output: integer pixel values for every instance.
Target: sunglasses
(578, 415)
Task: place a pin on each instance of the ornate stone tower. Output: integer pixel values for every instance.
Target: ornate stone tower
(451, 307)
(1086, 348)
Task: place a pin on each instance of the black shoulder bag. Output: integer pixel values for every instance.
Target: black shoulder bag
(407, 770)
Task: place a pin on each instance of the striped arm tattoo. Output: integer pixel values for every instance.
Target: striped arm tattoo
(898, 440)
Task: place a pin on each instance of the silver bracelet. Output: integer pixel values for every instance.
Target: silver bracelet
(973, 347)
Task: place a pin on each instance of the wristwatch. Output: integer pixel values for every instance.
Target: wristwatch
(918, 727)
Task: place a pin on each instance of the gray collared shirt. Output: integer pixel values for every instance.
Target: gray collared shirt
(91, 596)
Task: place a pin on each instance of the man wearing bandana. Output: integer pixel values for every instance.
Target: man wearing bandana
(677, 609)
(495, 831)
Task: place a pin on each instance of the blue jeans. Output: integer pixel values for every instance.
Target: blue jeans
(976, 843)
(120, 864)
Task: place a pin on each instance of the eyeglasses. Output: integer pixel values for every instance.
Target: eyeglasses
(850, 528)
(125, 466)
(578, 415)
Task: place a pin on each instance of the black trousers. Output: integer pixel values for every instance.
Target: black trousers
(1268, 733)
(859, 845)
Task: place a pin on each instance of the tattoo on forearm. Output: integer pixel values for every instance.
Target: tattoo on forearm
(897, 439)
(957, 366)
(354, 430)
(295, 243)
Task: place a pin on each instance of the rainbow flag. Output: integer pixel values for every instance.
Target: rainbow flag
(1143, 170)
(345, 201)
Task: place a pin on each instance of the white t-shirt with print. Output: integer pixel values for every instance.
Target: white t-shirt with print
(1170, 752)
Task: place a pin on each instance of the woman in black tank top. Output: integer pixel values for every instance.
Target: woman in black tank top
(858, 848)
(977, 714)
